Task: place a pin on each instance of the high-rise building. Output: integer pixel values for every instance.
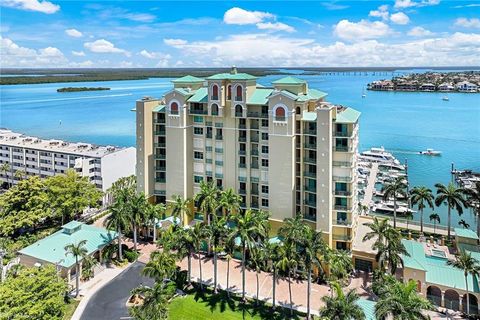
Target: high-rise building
(282, 148)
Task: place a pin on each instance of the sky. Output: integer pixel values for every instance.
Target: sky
(54, 33)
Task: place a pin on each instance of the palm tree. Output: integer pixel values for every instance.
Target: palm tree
(78, 251)
(20, 174)
(391, 253)
(181, 208)
(340, 263)
(452, 197)
(469, 265)
(393, 190)
(155, 302)
(464, 224)
(257, 262)
(273, 255)
(137, 214)
(293, 229)
(5, 169)
(216, 231)
(250, 229)
(161, 266)
(341, 306)
(207, 199)
(229, 248)
(379, 228)
(401, 301)
(422, 196)
(287, 264)
(312, 249)
(198, 235)
(117, 220)
(184, 244)
(473, 197)
(436, 219)
(153, 213)
(230, 201)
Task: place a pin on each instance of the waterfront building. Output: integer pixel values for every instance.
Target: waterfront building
(427, 87)
(282, 148)
(30, 156)
(466, 86)
(446, 87)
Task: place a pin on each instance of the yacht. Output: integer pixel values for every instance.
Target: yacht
(431, 152)
(445, 98)
(378, 155)
(387, 207)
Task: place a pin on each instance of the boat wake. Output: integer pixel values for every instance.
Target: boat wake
(65, 99)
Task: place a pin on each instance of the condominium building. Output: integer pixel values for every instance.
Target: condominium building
(28, 156)
(282, 148)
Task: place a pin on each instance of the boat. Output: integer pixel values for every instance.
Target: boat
(445, 98)
(431, 152)
(378, 155)
(363, 93)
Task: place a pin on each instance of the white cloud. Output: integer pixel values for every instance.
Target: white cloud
(73, 33)
(78, 53)
(14, 55)
(402, 4)
(240, 16)
(275, 26)
(154, 55)
(472, 5)
(140, 17)
(361, 30)
(419, 32)
(381, 12)
(32, 5)
(468, 23)
(399, 18)
(104, 46)
(174, 42)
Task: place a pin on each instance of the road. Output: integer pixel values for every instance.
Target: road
(109, 302)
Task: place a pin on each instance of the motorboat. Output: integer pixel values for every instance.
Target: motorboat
(431, 152)
(445, 98)
(378, 155)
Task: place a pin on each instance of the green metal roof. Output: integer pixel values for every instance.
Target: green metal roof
(309, 116)
(289, 80)
(260, 96)
(348, 115)
(52, 248)
(200, 96)
(289, 94)
(368, 307)
(184, 92)
(466, 233)
(312, 94)
(159, 108)
(188, 79)
(232, 76)
(416, 260)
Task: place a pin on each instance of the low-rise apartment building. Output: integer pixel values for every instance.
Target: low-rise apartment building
(282, 148)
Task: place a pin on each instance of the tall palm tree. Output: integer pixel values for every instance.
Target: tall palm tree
(155, 302)
(258, 261)
(393, 190)
(137, 214)
(340, 263)
(390, 254)
(229, 248)
(401, 302)
(313, 249)
(207, 199)
(469, 265)
(184, 244)
(423, 197)
(118, 220)
(464, 224)
(287, 264)
(198, 235)
(181, 208)
(436, 219)
(250, 229)
(473, 198)
(153, 213)
(216, 232)
(293, 229)
(5, 169)
(230, 201)
(341, 306)
(20, 174)
(452, 197)
(78, 251)
(379, 228)
(273, 256)
(161, 266)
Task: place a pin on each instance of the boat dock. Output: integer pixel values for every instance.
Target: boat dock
(372, 177)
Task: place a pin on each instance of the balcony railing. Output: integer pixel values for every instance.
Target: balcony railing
(254, 191)
(218, 150)
(254, 165)
(239, 114)
(242, 152)
(342, 134)
(218, 163)
(242, 191)
(311, 203)
(209, 148)
(160, 132)
(209, 135)
(342, 148)
(310, 131)
(219, 137)
(310, 217)
(159, 168)
(310, 145)
(341, 237)
(242, 126)
(310, 188)
(254, 138)
(242, 139)
(219, 175)
(254, 152)
(310, 174)
(310, 160)
(160, 144)
(342, 179)
(342, 222)
(342, 164)
(242, 179)
(198, 111)
(208, 160)
(343, 193)
(238, 98)
(160, 180)
(160, 156)
(242, 165)
(341, 207)
(254, 127)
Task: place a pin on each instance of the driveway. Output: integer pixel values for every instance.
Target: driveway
(109, 302)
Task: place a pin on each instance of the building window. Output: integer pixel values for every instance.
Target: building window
(239, 93)
(229, 92)
(264, 123)
(214, 109)
(173, 108)
(264, 162)
(238, 111)
(197, 179)
(197, 130)
(297, 110)
(280, 112)
(264, 135)
(214, 92)
(198, 155)
(198, 119)
(264, 149)
(264, 202)
(264, 189)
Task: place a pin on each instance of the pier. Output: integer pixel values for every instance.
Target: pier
(372, 177)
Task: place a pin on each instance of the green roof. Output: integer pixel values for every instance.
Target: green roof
(368, 307)
(289, 94)
(312, 94)
(348, 115)
(200, 96)
(289, 80)
(416, 260)
(159, 108)
(188, 79)
(466, 233)
(260, 96)
(52, 248)
(184, 92)
(232, 76)
(309, 116)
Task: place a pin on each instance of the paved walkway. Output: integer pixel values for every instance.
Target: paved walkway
(372, 177)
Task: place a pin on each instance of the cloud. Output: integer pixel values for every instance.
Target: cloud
(104, 46)
(14, 55)
(419, 32)
(472, 5)
(361, 30)
(467, 23)
(174, 42)
(140, 17)
(399, 18)
(154, 55)
(73, 33)
(334, 6)
(78, 53)
(381, 12)
(275, 26)
(32, 5)
(241, 17)
(402, 4)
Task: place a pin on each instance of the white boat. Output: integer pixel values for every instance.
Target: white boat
(445, 98)
(378, 155)
(431, 152)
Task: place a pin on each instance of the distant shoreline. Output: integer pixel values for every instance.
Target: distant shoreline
(78, 89)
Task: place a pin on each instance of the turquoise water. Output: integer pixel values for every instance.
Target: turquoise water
(404, 123)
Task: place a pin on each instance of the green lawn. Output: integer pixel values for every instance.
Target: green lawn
(70, 309)
(208, 306)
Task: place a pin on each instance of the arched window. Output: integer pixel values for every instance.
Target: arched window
(214, 92)
(229, 92)
(174, 108)
(239, 95)
(297, 110)
(214, 109)
(280, 114)
(238, 111)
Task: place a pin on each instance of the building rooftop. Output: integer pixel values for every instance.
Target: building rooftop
(52, 248)
(200, 96)
(368, 307)
(289, 80)
(466, 233)
(188, 79)
(362, 230)
(347, 115)
(232, 76)
(14, 139)
(260, 96)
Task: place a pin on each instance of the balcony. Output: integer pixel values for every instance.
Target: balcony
(310, 174)
(209, 135)
(343, 164)
(160, 145)
(208, 161)
(342, 222)
(159, 168)
(310, 203)
(341, 207)
(219, 175)
(242, 179)
(342, 179)
(256, 114)
(343, 134)
(242, 139)
(254, 165)
(160, 156)
(341, 237)
(242, 152)
(254, 139)
(254, 127)
(238, 98)
(254, 191)
(160, 132)
(341, 148)
(309, 145)
(242, 126)
(242, 191)
(310, 131)
(242, 165)
(160, 180)
(239, 114)
(218, 150)
(310, 160)
(218, 163)
(219, 137)
(199, 111)
(312, 188)
(209, 148)
(254, 152)
(343, 193)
